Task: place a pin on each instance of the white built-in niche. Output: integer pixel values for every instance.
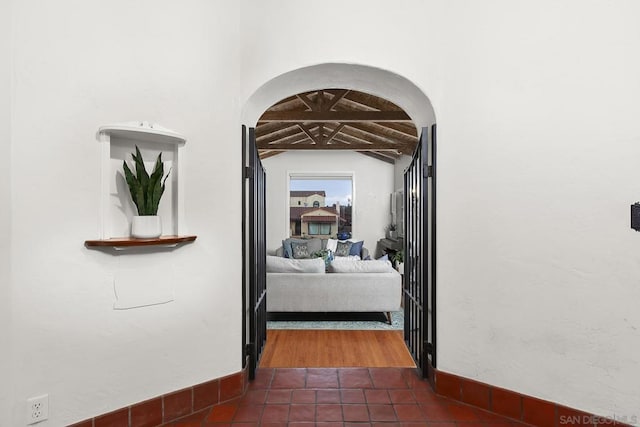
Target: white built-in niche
(117, 142)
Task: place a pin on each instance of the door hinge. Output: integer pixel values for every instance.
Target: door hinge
(428, 172)
(248, 172)
(248, 349)
(428, 347)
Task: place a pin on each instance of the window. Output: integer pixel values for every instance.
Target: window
(316, 228)
(332, 193)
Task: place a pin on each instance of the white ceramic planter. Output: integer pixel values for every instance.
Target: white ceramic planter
(146, 227)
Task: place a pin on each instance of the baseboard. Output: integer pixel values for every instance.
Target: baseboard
(175, 405)
(519, 406)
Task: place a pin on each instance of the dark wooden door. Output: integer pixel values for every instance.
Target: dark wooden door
(420, 254)
(254, 252)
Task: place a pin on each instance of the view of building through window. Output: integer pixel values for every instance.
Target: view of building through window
(320, 207)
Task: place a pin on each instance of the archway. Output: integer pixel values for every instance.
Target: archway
(376, 81)
(382, 83)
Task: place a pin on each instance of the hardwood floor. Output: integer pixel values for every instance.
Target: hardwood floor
(335, 349)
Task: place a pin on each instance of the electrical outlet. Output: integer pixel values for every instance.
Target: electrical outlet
(37, 409)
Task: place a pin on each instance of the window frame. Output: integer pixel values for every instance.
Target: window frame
(319, 175)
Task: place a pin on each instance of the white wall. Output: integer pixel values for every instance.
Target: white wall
(5, 212)
(79, 65)
(399, 168)
(373, 184)
(539, 137)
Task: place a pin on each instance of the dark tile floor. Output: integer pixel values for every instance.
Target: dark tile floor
(348, 397)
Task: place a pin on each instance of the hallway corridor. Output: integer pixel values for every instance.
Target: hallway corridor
(345, 397)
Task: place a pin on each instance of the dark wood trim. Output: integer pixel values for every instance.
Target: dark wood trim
(334, 116)
(339, 144)
(130, 242)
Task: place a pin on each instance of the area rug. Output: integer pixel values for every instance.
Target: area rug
(354, 321)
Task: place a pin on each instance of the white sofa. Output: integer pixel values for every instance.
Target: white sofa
(372, 289)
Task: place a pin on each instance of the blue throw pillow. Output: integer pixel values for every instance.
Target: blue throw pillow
(384, 257)
(356, 248)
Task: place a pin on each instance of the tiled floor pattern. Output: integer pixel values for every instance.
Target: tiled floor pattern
(349, 397)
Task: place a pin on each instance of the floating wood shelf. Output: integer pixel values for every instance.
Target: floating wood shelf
(127, 242)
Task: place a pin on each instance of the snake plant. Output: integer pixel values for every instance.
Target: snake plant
(145, 190)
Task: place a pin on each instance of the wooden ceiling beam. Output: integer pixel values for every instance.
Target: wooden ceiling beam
(407, 129)
(264, 128)
(296, 138)
(320, 100)
(378, 156)
(269, 153)
(309, 103)
(342, 146)
(336, 98)
(294, 104)
(386, 134)
(371, 101)
(305, 129)
(275, 132)
(279, 135)
(344, 138)
(347, 141)
(356, 132)
(334, 133)
(334, 116)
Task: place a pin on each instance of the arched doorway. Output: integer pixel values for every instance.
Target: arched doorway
(376, 81)
(417, 105)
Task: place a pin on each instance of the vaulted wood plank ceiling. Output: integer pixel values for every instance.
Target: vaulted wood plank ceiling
(336, 119)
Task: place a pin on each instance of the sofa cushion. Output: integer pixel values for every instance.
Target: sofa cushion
(276, 264)
(357, 266)
(351, 257)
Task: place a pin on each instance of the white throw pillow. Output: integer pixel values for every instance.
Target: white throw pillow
(356, 266)
(276, 264)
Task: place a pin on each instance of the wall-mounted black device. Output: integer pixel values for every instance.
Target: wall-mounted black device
(635, 216)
